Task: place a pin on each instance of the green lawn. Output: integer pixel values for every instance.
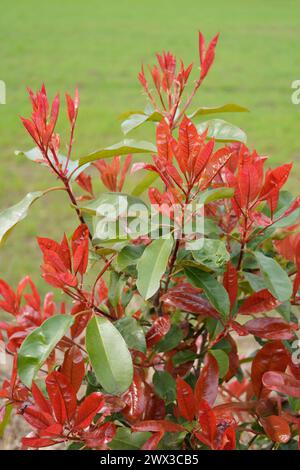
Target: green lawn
(99, 46)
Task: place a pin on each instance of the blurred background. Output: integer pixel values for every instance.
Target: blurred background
(99, 46)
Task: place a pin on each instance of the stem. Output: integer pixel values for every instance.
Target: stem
(190, 99)
(172, 263)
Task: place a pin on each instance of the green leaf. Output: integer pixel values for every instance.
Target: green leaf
(152, 265)
(222, 360)
(276, 279)
(226, 108)
(35, 155)
(129, 256)
(181, 357)
(6, 419)
(120, 202)
(257, 283)
(213, 254)
(222, 131)
(214, 291)
(136, 119)
(133, 333)
(117, 217)
(145, 183)
(38, 345)
(14, 214)
(171, 340)
(164, 386)
(127, 440)
(211, 195)
(109, 355)
(121, 148)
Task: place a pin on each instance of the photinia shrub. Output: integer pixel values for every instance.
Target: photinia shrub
(181, 327)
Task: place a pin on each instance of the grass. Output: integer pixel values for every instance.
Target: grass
(99, 45)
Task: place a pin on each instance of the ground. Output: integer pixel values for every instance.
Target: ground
(99, 45)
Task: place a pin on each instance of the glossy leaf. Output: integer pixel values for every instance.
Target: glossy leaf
(152, 265)
(189, 299)
(145, 183)
(38, 345)
(222, 131)
(225, 108)
(158, 330)
(127, 440)
(14, 214)
(62, 396)
(276, 279)
(185, 399)
(73, 367)
(271, 328)
(35, 155)
(215, 292)
(230, 282)
(282, 383)
(259, 302)
(171, 340)
(164, 385)
(213, 254)
(112, 366)
(276, 428)
(129, 255)
(222, 360)
(136, 119)
(207, 383)
(211, 195)
(271, 357)
(88, 409)
(133, 333)
(121, 148)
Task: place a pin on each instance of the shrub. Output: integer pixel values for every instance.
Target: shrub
(150, 350)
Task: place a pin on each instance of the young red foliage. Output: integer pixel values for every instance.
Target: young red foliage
(179, 352)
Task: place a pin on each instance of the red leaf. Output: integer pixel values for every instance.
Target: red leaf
(271, 357)
(36, 418)
(88, 409)
(214, 166)
(73, 367)
(137, 398)
(10, 302)
(99, 437)
(157, 426)
(40, 400)
(188, 144)
(276, 428)
(207, 383)
(158, 330)
(163, 141)
(259, 302)
(230, 283)
(62, 396)
(85, 182)
(62, 250)
(208, 423)
(80, 249)
(282, 383)
(271, 328)
(37, 442)
(275, 179)
(188, 298)
(185, 399)
(153, 441)
(207, 57)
